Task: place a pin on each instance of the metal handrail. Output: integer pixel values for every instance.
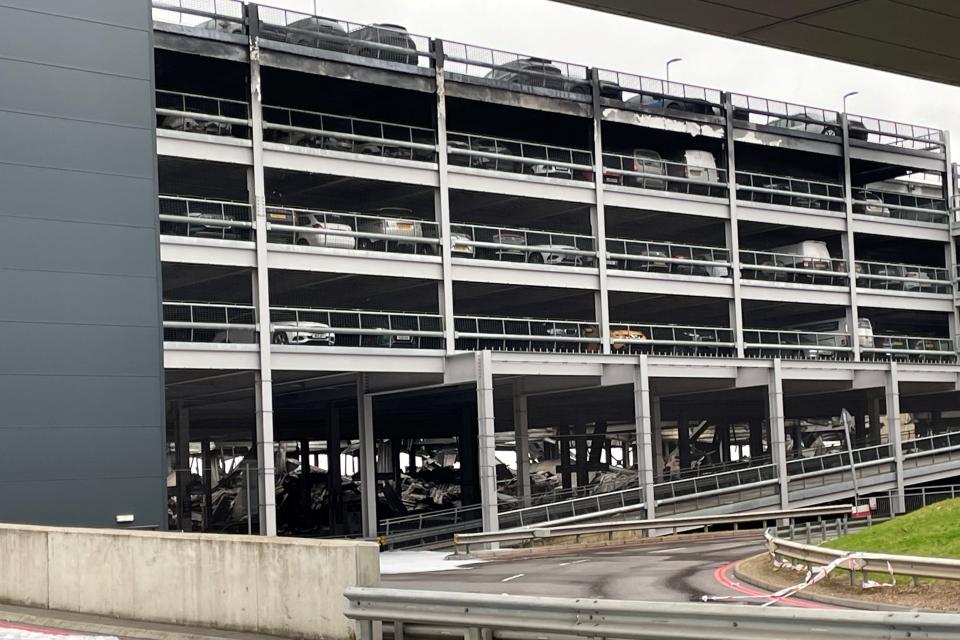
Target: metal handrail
(867, 270)
(774, 112)
(884, 208)
(564, 162)
(798, 192)
(211, 319)
(919, 451)
(754, 261)
(819, 340)
(657, 88)
(533, 242)
(671, 171)
(479, 62)
(421, 232)
(204, 217)
(651, 331)
(842, 457)
(161, 8)
(912, 344)
(580, 327)
(900, 134)
(674, 253)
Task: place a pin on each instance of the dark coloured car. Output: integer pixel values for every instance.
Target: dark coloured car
(316, 32)
(538, 72)
(687, 105)
(382, 41)
(486, 146)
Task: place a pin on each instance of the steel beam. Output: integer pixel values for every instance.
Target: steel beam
(778, 438)
(368, 461)
(521, 430)
(598, 218)
(442, 201)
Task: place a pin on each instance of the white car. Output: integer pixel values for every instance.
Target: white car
(317, 221)
(460, 239)
(306, 333)
(553, 254)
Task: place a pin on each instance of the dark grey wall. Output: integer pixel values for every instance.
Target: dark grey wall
(81, 374)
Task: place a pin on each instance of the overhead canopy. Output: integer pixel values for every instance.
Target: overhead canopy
(918, 38)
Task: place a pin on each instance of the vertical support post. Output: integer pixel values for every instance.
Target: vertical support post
(778, 437)
(873, 410)
(563, 441)
(182, 458)
(305, 477)
(442, 201)
(368, 462)
(657, 426)
(521, 429)
(756, 438)
(334, 474)
(642, 420)
(580, 446)
(852, 312)
(892, 390)
(206, 446)
(263, 383)
(732, 230)
(468, 453)
(598, 218)
(683, 439)
(487, 442)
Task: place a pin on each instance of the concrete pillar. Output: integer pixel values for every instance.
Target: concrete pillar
(642, 421)
(852, 312)
(305, 477)
(442, 201)
(368, 463)
(467, 453)
(756, 438)
(777, 434)
(657, 427)
(598, 219)
(892, 392)
(683, 439)
(334, 473)
(182, 466)
(486, 439)
(732, 232)
(521, 430)
(873, 410)
(205, 448)
(564, 443)
(580, 446)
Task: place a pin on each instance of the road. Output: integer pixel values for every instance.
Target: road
(674, 571)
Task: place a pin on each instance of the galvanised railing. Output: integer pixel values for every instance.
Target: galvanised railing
(792, 343)
(899, 134)
(356, 328)
(902, 277)
(791, 267)
(786, 115)
(517, 156)
(838, 458)
(668, 339)
(205, 218)
(647, 92)
(672, 257)
(348, 134)
(893, 347)
(218, 15)
(789, 191)
(475, 333)
(196, 113)
(209, 322)
(513, 70)
(646, 172)
(509, 244)
(893, 204)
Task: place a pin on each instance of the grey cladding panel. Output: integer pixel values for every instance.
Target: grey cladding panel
(83, 248)
(85, 197)
(82, 146)
(78, 298)
(89, 503)
(78, 454)
(81, 401)
(75, 44)
(70, 93)
(80, 350)
(130, 13)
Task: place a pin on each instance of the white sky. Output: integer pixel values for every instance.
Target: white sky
(561, 32)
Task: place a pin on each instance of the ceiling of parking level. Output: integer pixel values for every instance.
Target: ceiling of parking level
(910, 37)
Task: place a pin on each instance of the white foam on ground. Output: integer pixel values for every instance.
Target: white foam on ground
(14, 633)
(392, 562)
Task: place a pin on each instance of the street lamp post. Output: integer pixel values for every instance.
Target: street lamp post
(670, 62)
(848, 95)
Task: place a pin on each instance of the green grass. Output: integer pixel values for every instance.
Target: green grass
(933, 532)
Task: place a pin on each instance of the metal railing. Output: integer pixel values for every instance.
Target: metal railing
(478, 333)
(838, 459)
(420, 614)
(346, 230)
(516, 156)
(387, 43)
(513, 70)
(508, 244)
(219, 15)
(792, 343)
(356, 328)
(205, 322)
(937, 442)
(202, 218)
(348, 134)
(903, 206)
(789, 191)
(902, 277)
(671, 339)
(786, 115)
(887, 346)
(645, 172)
(573, 508)
(196, 113)
(647, 92)
(898, 134)
(664, 257)
(792, 267)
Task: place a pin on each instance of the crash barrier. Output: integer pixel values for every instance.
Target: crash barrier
(422, 614)
(531, 534)
(280, 586)
(893, 565)
(789, 191)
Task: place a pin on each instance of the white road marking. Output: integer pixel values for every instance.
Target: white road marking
(519, 575)
(563, 564)
(669, 550)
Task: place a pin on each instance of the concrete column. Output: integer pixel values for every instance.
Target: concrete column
(642, 421)
(487, 442)
(265, 446)
(852, 312)
(683, 439)
(580, 446)
(892, 392)
(205, 448)
(598, 218)
(873, 410)
(368, 463)
(521, 429)
(657, 428)
(182, 466)
(442, 202)
(756, 438)
(305, 478)
(778, 438)
(563, 441)
(732, 232)
(334, 474)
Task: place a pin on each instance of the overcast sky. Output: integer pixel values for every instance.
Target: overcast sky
(560, 32)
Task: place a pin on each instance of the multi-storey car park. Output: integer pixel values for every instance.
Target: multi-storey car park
(383, 252)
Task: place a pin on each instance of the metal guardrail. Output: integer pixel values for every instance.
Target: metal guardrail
(196, 113)
(671, 339)
(202, 322)
(914, 566)
(388, 43)
(421, 614)
(902, 277)
(899, 134)
(891, 204)
(355, 328)
(789, 191)
(348, 134)
(517, 156)
(888, 346)
(203, 218)
(797, 344)
(786, 115)
(874, 454)
(525, 334)
(508, 244)
(654, 92)
(220, 15)
(792, 267)
(652, 172)
(512, 70)
(672, 257)
(558, 531)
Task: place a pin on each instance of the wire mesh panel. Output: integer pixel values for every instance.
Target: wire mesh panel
(200, 218)
(202, 322)
(838, 458)
(382, 42)
(654, 93)
(216, 15)
(678, 340)
(508, 244)
(786, 115)
(394, 231)
(478, 333)
(515, 70)
(790, 343)
(355, 328)
(668, 257)
(789, 191)
(645, 169)
(209, 115)
(516, 156)
(808, 266)
(897, 134)
(902, 347)
(904, 206)
(902, 277)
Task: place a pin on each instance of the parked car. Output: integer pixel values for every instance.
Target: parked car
(693, 269)
(366, 40)
(201, 230)
(697, 167)
(196, 124)
(658, 260)
(278, 219)
(460, 237)
(227, 26)
(513, 249)
(624, 340)
(542, 73)
(305, 333)
(490, 146)
(317, 221)
(809, 255)
(840, 328)
(647, 162)
(313, 31)
(393, 221)
(870, 203)
(689, 105)
(554, 253)
(817, 123)
(385, 340)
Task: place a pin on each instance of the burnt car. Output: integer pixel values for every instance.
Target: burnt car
(313, 31)
(544, 74)
(669, 103)
(389, 42)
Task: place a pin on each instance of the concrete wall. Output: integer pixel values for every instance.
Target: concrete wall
(81, 377)
(278, 586)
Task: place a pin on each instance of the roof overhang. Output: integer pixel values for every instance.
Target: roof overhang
(911, 37)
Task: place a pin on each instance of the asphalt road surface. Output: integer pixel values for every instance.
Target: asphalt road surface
(674, 571)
